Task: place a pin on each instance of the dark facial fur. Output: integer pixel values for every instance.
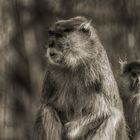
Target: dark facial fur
(80, 95)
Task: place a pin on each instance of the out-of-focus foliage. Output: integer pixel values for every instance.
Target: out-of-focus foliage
(23, 33)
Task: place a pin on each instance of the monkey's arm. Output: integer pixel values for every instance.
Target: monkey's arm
(105, 126)
(79, 128)
(48, 125)
(104, 123)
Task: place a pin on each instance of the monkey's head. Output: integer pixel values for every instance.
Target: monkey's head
(71, 42)
(130, 78)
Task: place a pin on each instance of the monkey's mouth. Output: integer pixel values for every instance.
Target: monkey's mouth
(54, 57)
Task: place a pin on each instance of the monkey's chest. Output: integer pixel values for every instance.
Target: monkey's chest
(71, 103)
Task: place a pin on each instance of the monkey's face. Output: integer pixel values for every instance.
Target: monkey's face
(130, 79)
(69, 46)
(135, 79)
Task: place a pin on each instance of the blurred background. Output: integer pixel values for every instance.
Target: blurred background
(23, 34)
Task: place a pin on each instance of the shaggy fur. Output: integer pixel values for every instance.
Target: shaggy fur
(129, 84)
(80, 97)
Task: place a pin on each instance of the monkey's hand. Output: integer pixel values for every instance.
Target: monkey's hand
(79, 128)
(73, 130)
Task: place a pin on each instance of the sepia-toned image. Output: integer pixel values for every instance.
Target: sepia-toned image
(69, 69)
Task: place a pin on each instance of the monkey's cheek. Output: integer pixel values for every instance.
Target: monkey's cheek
(71, 61)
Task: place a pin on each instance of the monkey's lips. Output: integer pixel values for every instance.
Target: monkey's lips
(56, 59)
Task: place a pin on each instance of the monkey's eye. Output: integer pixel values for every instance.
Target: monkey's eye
(134, 75)
(68, 30)
(51, 32)
(58, 35)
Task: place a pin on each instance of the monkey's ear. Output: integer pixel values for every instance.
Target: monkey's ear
(123, 65)
(85, 26)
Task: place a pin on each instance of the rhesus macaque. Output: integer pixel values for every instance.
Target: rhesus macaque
(80, 98)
